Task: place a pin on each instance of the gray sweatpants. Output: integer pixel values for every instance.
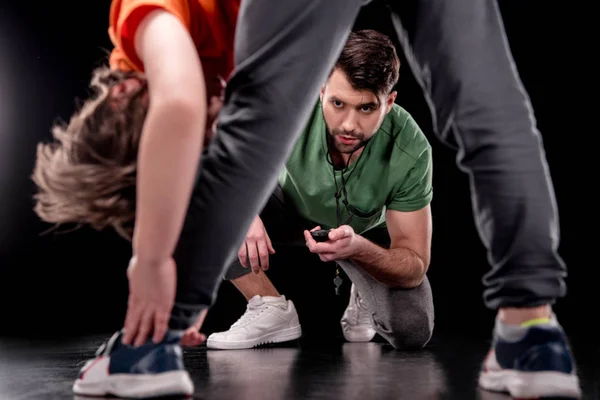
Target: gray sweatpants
(284, 51)
(404, 317)
(458, 50)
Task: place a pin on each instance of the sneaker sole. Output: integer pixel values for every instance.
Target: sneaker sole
(173, 383)
(531, 384)
(284, 335)
(359, 336)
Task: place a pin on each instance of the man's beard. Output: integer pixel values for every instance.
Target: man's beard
(345, 148)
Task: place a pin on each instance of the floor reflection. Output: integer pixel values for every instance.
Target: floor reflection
(446, 370)
(352, 371)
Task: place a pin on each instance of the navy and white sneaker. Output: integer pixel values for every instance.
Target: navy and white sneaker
(539, 365)
(150, 370)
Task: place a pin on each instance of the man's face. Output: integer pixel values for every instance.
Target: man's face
(352, 116)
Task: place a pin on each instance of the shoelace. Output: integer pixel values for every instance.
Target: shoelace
(252, 311)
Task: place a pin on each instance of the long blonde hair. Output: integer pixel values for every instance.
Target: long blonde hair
(87, 174)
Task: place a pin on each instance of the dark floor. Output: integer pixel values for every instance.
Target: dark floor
(447, 369)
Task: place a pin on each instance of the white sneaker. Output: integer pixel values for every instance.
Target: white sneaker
(357, 322)
(267, 320)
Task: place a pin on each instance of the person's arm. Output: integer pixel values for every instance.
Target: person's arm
(408, 218)
(405, 263)
(171, 141)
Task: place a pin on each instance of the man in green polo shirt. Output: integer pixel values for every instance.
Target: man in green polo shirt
(361, 166)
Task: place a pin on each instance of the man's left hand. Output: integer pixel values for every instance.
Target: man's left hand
(342, 244)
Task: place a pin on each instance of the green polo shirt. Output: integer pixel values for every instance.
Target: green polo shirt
(394, 172)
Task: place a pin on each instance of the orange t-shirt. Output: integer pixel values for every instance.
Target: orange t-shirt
(211, 24)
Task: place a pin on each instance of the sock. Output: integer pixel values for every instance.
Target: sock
(514, 333)
(278, 301)
(273, 299)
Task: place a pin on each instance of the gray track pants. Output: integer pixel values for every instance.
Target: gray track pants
(285, 50)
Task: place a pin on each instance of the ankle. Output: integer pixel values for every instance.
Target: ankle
(519, 316)
(251, 285)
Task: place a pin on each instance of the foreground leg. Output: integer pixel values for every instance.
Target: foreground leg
(284, 51)
(459, 53)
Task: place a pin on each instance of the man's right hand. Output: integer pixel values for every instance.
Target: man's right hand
(254, 253)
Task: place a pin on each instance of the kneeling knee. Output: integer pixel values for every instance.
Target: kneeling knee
(410, 332)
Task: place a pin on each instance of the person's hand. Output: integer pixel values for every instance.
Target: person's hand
(254, 252)
(151, 298)
(341, 245)
(192, 336)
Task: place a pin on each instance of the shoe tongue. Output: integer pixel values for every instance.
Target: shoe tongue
(274, 299)
(256, 301)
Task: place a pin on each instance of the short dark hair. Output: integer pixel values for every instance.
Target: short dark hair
(370, 61)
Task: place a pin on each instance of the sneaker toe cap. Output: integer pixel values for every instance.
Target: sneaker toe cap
(228, 336)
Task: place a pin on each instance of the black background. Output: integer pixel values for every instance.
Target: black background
(75, 283)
